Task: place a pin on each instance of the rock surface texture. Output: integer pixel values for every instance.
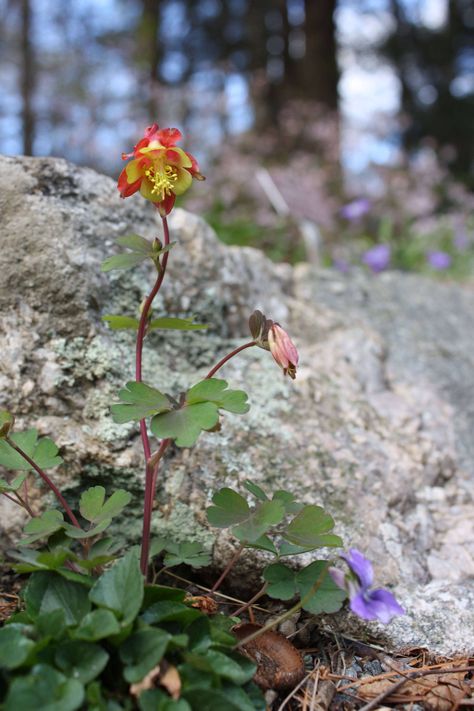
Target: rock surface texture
(377, 426)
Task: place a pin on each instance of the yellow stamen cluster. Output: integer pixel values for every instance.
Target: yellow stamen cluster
(163, 180)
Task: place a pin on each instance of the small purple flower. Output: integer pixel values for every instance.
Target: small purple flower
(355, 210)
(439, 260)
(377, 258)
(369, 604)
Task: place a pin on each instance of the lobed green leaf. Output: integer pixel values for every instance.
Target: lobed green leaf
(185, 424)
(43, 452)
(310, 529)
(141, 401)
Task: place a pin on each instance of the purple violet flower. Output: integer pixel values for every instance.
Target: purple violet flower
(356, 209)
(367, 603)
(439, 260)
(377, 258)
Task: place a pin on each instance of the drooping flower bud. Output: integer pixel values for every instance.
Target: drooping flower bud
(271, 337)
(283, 350)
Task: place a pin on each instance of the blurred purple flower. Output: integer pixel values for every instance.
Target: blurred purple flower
(355, 210)
(377, 258)
(439, 260)
(341, 265)
(369, 604)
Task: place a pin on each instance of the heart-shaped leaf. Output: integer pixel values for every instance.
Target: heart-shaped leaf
(186, 553)
(141, 401)
(262, 518)
(310, 529)
(281, 581)
(318, 592)
(95, 509)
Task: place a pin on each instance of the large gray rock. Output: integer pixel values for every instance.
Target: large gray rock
(375, 427)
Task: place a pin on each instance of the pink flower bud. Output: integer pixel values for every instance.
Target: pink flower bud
(283, 350)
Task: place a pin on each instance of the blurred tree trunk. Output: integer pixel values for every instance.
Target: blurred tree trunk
(319, 69)
(149, 48)
(27, 79)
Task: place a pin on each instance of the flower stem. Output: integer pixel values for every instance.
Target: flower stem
(47, 481)
(228, 568)
(142, 330)
(228, 357)
(253, 599)
(151, 467)
(150, 487)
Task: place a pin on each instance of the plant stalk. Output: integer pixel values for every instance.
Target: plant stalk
(47, 481)
(228, 357)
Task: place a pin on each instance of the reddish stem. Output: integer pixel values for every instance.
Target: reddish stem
(151, 470)
(47, 481)
(142, 331)
(228, 357)
(150, 487)
(227, 569)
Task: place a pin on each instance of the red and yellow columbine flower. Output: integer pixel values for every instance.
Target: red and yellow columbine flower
(158, 169)
(271, 336)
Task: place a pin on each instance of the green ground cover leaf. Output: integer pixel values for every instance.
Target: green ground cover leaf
(120, 589)
(80, 660)
(141, 401)
(14, 484)
(229, 508)
(15, 646)
(255, 490)
(46, 689)
(156, 700)
(142, 651)
(186, 553)
(281, 581)
(97, 625)
(261, 519)
(95, 509)
(47, 591)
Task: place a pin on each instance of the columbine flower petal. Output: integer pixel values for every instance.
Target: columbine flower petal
(283, 350)
(159, 169)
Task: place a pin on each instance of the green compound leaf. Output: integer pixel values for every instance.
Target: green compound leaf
(81, 534)
(136, 243)
(15, 646)
(309, 529)
(44, 688)
(215, 390)
(127, 260)
(230, 508)
(142, 651)
(42, 526)
(327, 597)
(93, 508)
(281, 581)
(186, 554)
(118, 322)
(15, 483)
(120, 589)
(47, 591)
(249, 525)
(141, 401)
(97, 625)
(316, 589)
(186, 424)
(288, 499)
(43, 451)
(262, 518)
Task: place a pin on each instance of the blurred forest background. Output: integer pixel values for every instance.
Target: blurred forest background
(339, 131)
